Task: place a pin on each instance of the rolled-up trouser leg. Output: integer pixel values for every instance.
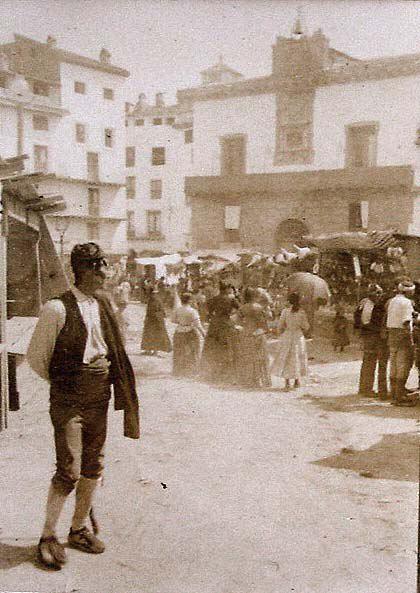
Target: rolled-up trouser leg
(67, 423)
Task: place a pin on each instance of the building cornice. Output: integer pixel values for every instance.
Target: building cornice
(376, 178)
(89, 218)
(52, 176)
(353, 71)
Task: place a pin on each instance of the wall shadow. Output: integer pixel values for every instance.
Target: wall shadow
(394, 457)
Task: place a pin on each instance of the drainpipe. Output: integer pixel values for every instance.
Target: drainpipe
(4, 373)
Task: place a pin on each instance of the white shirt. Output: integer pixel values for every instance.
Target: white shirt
(367, 308)
(51, 321)
(400, 310)
(187, 319)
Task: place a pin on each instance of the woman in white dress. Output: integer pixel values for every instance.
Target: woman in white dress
(291, 359)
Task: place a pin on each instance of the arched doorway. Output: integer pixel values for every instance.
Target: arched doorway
(289, 232)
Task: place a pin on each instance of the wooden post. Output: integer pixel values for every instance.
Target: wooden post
(4, 375)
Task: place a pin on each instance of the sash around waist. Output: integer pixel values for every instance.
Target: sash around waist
(89, 385)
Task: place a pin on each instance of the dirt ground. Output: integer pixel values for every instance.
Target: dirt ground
(228, 490)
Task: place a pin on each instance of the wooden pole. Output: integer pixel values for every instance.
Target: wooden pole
(4, 374)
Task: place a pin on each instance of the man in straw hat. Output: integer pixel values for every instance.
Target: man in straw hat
(77, 347)
(399, 325)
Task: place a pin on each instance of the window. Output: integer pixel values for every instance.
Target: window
(361, 145)
(79, 87)
(130, 187)
(158, 155)
(157, 121)
(130, 156)
(109, 137)
(41, 158)
(93, 201)
(170, 121)
(109, 94)
(131, 228)
(233, 155)
(40, 122)
(93, 231)
(156, 189)
(358, 215)
(188, 136)
(41, 88)
(154, 222)
(232, 223)
(93, 166)
(80, 133)
(139, 122)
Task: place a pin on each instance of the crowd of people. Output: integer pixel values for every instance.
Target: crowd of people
(390, 334)
(234, 325)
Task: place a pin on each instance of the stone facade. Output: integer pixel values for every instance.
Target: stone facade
(326, 141)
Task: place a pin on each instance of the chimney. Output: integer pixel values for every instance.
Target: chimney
(142, 101)
(159, 102)
(105, 56)
(51, 41)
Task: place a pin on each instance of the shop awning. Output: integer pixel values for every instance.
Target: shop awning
(353, 241)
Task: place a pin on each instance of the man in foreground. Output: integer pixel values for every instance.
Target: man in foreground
(77, 347)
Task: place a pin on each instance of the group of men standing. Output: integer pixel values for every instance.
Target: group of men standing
(389, 329)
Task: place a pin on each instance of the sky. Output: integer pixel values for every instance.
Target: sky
(166, 43)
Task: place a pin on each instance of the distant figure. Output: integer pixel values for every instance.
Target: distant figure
(218, 358)
(155, 337)
(252, 359)
(340, 329)
(186, 338)
(372, 310)
(291, 360)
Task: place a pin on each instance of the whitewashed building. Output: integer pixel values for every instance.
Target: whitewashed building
(67, 113)
(324, 143)
(159, 156)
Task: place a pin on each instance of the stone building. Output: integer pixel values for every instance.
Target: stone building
(66, 112)
(325, 143)
(158, 158)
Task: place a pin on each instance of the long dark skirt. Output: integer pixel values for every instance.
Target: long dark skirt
(253, 364)
(186, 354)
(155, 337)
(218, 361)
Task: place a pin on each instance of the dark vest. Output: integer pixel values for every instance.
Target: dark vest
(67, 357)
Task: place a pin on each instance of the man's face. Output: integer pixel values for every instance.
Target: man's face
(94, 276)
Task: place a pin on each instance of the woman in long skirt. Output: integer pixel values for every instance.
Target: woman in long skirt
(218, 361)
(186, 338)
(252, 365)
(291, 359)
(155, 337)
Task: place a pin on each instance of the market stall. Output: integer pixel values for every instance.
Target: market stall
(30, 268)
(349, 262)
